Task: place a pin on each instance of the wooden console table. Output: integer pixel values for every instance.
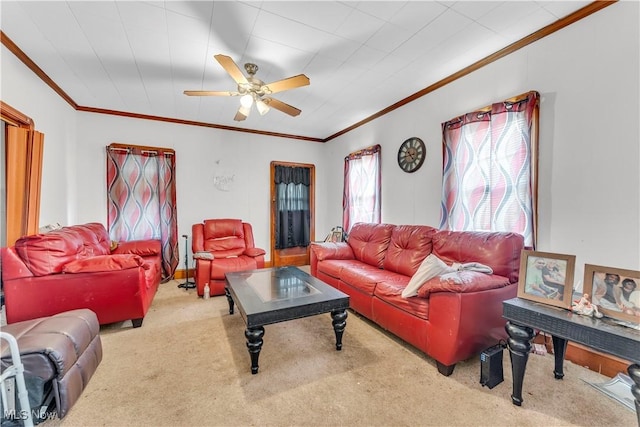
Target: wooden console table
(600, 334)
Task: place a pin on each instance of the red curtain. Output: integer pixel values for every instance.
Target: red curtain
(141, 195)
(361, 191)
(489, 169)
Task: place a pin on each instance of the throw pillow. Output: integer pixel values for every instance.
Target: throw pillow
(432, 266)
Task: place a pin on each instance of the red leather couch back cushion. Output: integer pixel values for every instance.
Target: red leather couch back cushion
(369, 242)
(500, 251)
(409, 246)
(224, 237)
(105, 263)
(48, 253)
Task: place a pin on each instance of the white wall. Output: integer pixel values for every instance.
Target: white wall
(589, 190)
(54, 117)
(201, 155)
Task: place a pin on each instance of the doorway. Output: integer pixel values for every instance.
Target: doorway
(292, 212)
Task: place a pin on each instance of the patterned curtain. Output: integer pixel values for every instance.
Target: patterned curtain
(362, 182)
(141, 195)
(293, 218)
(489, 169)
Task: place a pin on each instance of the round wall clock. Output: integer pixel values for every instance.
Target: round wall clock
(411, 154)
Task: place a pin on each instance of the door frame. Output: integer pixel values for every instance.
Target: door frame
(295, 257)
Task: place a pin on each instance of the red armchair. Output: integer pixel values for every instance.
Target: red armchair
(220, 246)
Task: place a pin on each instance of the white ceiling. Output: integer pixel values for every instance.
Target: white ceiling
(361, 56)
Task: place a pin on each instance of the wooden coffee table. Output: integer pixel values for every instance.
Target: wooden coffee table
(273, 295)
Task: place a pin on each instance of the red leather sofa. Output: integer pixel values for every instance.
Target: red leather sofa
(75, 267)
(449, 320)
(220, 246)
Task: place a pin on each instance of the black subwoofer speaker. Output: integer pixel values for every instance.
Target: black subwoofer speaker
(491, 366)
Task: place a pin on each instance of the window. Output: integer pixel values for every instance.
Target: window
(489, 180)
(361, 197)
(141, 196)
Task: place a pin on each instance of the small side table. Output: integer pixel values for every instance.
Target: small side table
(600, 334)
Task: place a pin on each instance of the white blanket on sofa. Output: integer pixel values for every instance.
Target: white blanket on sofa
(433, 266)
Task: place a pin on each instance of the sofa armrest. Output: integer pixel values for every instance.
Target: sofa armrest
(332, 250)
(321, 251)
(12, 266)
(462, 282)
(254, 252)
(139, 247)
(461, 325)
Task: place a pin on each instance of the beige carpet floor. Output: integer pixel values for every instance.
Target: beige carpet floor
(188, 366)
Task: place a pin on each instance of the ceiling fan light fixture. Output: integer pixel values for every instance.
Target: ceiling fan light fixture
(244, 110)
(246, 101)
(262, 107)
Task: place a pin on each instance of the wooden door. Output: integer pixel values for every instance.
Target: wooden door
(298, 255)
(23, 174)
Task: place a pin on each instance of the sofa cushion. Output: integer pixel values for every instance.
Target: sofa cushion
(408, 247)
(334, 267)
(365, 277)
(94, 237)
(104, 263)
(500, 251)
(48, 253)
(390, 291)
(226, 265)
(224, 237)
(369, 242)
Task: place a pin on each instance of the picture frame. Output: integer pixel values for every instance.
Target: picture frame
(336, 236)
(625, 283)
(546, 277)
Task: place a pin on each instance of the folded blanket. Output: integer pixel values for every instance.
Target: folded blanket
(433, 266)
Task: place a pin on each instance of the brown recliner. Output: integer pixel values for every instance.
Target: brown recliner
(220, 246)
(60, 354)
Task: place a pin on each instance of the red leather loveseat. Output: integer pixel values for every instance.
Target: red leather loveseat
(449, 319)
(74, 267)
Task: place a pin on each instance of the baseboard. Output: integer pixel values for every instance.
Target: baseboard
(180, 274)
(594, 360)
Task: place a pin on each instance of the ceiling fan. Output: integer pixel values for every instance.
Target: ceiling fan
(253, 90)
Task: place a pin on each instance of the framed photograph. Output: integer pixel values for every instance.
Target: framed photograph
(546, 277)
(615, 291)
(336, 236)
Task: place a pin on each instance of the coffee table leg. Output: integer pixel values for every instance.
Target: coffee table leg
(634, 373)
(254, 345)
(339, 323)
(229, 299)
(559, 349)
(519, 344)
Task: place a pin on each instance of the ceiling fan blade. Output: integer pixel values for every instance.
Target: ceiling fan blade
(210, 93)
(232, 68)
(286, 84)
(279, 105)
(242, 114)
